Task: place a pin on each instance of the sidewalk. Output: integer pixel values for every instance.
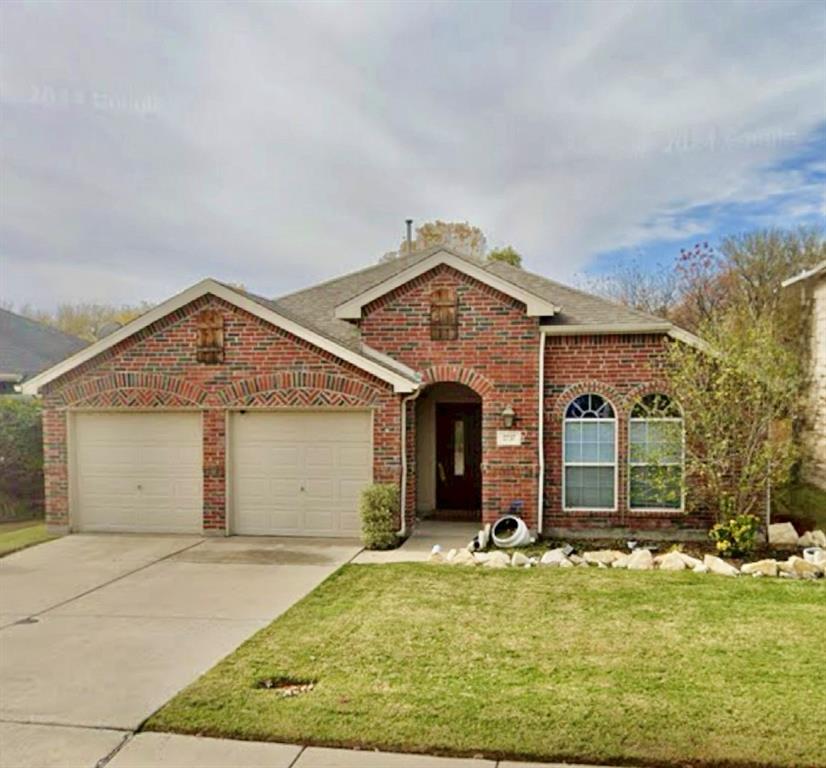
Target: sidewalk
(148, 750)
(417, 548)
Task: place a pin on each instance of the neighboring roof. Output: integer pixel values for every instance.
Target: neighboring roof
(317, 305)
(248, 302)
(818, 269)
(28, 347)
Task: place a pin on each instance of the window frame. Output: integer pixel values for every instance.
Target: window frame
(565, 463)
(680, 464)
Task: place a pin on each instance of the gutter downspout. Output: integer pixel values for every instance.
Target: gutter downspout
(540, 493)
(403, 495)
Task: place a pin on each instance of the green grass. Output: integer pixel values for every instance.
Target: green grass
(14, 537)
(651, 669)
(803, 504)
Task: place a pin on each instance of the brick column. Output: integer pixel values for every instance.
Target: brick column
(215, 484)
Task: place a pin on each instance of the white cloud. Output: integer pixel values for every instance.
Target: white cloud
(278, 144)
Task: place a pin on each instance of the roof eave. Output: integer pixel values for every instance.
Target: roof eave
(400, 383)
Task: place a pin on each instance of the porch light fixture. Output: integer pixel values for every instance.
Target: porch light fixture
(508, 417)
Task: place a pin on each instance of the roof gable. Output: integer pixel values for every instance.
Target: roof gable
(259, 308)
(535, 305)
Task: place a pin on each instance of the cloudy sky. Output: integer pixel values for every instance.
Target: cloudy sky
(147, 145)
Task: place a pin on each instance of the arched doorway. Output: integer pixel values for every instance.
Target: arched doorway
(449, 453)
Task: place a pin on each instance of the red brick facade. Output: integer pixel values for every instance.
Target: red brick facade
(496, 355)
(264, 367)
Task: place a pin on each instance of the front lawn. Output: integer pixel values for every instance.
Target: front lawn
(14, 536)
(646, 668)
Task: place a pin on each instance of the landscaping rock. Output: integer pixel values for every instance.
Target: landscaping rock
(718, 566)
(436, 557)
(690, 562)
(497, 560)
(621, 562)
(817, 538)
(519, 560)
(760, 568)
(552, 558)
(805, 570)
(672, 562)
(481, 557)
(601, 556)
(568, 564)
(576, 559)
(701, 568)
(640, 560)
(783, 535)
(463, 557)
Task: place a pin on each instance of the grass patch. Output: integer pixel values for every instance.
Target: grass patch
(651, 669)
(14, 537)
(802, 504)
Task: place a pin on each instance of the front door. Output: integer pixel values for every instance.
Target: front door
(459, 456)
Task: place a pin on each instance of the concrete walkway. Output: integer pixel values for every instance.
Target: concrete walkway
(427, 533)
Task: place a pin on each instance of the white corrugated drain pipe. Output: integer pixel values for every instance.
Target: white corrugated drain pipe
(540, 432)
(403, 495)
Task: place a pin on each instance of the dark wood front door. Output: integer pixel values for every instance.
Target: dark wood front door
(459, 456)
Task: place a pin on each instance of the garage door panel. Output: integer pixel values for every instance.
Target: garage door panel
(315, 465)
(138, 472)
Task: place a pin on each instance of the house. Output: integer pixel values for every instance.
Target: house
(477, 388)
(28, 347)
(812, 287)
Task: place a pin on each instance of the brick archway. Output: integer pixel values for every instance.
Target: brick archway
(134, 389)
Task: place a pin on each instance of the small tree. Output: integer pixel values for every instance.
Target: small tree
(733, 395)
(506, 254)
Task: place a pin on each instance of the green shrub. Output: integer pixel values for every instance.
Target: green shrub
(379, 509)
(736, 536)
(21, 455)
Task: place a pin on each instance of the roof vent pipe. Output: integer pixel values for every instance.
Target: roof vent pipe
(409, 223)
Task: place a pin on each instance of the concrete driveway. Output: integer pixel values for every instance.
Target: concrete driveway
(98, 631)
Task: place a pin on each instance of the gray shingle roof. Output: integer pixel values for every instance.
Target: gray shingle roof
(315, 306)
(28, 347)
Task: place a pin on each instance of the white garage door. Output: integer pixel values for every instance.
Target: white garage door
(138, 472)
(299, 473)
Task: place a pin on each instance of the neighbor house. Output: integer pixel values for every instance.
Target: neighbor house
(476, 388)
(28, 347)
(812, 287)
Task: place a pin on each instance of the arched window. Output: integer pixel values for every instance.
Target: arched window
(655, 454)
(590, 454)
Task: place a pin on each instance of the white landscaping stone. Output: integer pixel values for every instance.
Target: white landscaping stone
(567, 563)
(783, 535)
(806, 540)
(552, 558)
(481, 557)
(450, 555)
(601, 556)
(436, 557)
(577, 560)
(691, 562)
(805, 570)
(819, 538)
(463, 557)
(520, 560)
(672, 562)
(640, 560)
(701, 568)
(621, 562)
(718, 566)
(497, 560)
(760, 568)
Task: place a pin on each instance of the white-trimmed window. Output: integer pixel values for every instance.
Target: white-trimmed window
(590, 454)
(655, 454)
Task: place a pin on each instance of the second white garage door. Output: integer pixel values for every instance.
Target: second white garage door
(299, 473)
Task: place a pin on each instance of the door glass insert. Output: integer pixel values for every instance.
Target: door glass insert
(459, 447)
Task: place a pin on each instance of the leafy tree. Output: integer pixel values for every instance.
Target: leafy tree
(649, 290)
(458, 236)
(506, 254)
(84, 319)
(21, 454)
(734, 395)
